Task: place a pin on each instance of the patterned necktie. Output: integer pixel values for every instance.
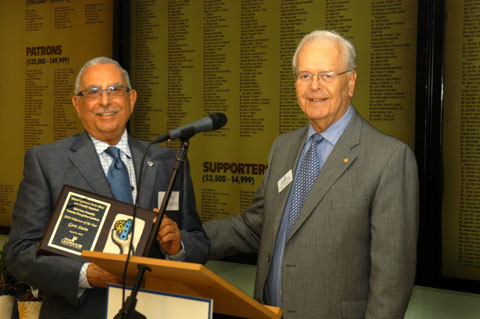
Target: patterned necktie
(118, 177)
(308, 172)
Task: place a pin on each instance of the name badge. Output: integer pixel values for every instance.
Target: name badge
(285, 181)
(173, 202)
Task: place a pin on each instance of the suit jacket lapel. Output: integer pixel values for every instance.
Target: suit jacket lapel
(292, 152)
(85, 159)
(342, 156)
(149, 171)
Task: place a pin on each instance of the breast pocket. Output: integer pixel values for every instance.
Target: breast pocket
(351, 202)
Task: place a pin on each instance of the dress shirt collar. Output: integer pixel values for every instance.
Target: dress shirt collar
(101, 146)
(334, 131)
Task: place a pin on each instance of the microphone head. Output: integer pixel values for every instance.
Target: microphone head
(218, 120)
(211, 122)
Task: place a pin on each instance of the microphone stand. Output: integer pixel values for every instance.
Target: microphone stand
(128, 309)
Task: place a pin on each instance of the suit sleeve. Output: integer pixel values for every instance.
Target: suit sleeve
(394, 229)
(195, 240)
(31, 213)
(237, 234)
(240, 234)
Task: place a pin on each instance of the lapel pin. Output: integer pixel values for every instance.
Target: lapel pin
(346, 160)
(150, 163)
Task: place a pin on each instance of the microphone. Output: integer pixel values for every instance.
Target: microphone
(210, 122)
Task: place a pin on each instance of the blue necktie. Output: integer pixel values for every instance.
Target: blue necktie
(118, 177)
(308, 172)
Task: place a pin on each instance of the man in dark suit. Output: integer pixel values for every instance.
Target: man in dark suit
(104, 102)
(335, 218)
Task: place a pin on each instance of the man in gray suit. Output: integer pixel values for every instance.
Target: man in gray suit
(104, 102)
(347, 248)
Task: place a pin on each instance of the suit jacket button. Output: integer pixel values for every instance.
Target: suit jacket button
(269, 258)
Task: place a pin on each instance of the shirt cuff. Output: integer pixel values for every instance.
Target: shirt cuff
(180, 256)
(82, 279)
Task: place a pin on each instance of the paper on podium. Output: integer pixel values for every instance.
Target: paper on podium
(154, 304)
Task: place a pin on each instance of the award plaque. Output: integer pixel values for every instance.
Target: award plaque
(86, 221)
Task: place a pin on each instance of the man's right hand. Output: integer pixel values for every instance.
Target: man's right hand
(98, 277)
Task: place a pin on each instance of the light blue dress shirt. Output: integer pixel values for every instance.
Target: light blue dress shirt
(273, 285)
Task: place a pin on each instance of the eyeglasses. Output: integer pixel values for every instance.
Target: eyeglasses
(114, 91)
(327, 77)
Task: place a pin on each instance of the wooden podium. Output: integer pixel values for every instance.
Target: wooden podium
(186, 279)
